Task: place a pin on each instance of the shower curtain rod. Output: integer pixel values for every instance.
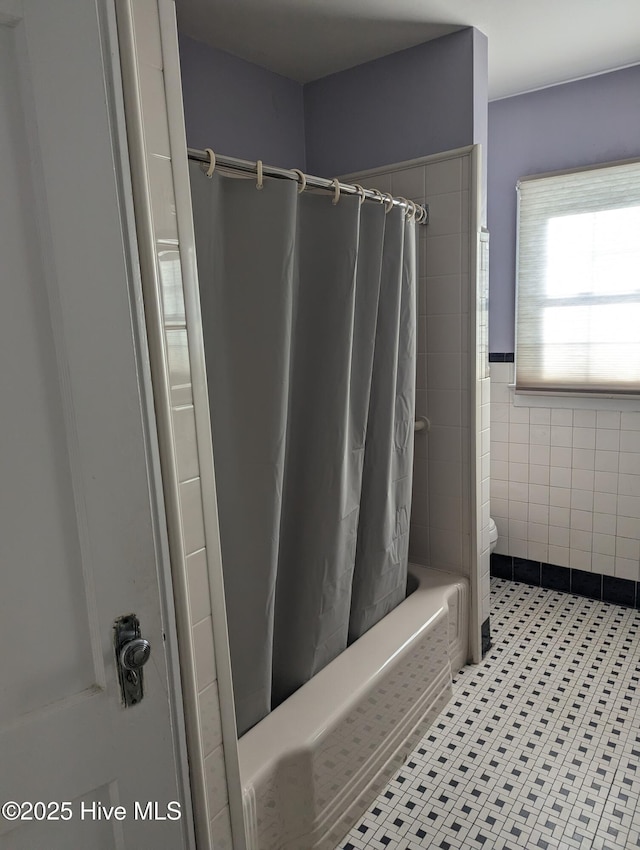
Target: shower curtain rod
(248, 167)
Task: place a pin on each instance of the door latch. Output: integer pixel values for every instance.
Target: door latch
(132, 653)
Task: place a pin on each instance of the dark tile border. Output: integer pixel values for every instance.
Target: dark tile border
(527, 571)
(502, 566)
(501, 357)
(586, 584)
(486, 636)
(556, 578)
(621, 591)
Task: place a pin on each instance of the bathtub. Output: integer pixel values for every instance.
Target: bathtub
(313, 766)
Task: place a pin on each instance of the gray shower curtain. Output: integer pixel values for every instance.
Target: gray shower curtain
(308, 313)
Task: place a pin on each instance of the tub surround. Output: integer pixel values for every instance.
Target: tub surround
(313, 765)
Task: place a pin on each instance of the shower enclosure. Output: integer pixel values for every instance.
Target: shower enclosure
(164, 215)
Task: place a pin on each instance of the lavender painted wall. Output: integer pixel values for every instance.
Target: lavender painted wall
(240, 109)
(567, 126)
(406, 105)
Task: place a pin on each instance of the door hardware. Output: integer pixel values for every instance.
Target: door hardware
(132, 653)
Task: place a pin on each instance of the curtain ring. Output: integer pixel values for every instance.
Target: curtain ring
(406, 206)
(302, 180)
(388, 203)
(259, 173)
(411, 209)
(379, 196)
(336, 190)
(209, 169)
(423, 214)
(360, 192)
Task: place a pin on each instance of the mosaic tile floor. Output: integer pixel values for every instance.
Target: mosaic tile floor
(540, 746)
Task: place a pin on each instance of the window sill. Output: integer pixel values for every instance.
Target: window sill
(579, 401)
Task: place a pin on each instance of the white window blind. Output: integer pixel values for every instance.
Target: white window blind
(578, 282)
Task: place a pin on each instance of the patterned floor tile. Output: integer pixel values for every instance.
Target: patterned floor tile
(540, 745)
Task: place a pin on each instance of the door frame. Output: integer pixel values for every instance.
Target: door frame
(116, 109)
(148, 44)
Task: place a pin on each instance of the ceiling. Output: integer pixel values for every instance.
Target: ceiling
(531, 44)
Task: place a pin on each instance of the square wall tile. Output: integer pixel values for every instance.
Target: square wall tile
(607, 439)
(560, 497)
(154, 111)
(580, 560)
(538, 514)
(192, 517)
(163, 204)
(561, 416)
(603, 564)
(179, 366)
(147, 27)
(170, 269)
(444, 371)
(540, 416)
(444, 295)
(630, 462)
(539, 455)
(583, 458)
(444, 255)
(445, 214)
(608, 419)
(628, 527)
(630, 422)
(559, 556)
(627, 568)
(409, 183)
(216, 781)
(561, 435)
(537, 551)
(444, 335)
(538, 474)
(209, 709)
(584, 418)
(559, 536)
(444, 176)
(584, 438)
(198, 585)
(221, 830)
(204, 655)
(186, 443)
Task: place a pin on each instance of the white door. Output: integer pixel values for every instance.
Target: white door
(80, 543)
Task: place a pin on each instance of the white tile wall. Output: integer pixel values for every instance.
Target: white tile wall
(440, 476)
(190, 558)
(446, 392)
(565, 483)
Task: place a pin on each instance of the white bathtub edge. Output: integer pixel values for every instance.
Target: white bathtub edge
(282, 759)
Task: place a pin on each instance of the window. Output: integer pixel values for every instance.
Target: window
(578, 282)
